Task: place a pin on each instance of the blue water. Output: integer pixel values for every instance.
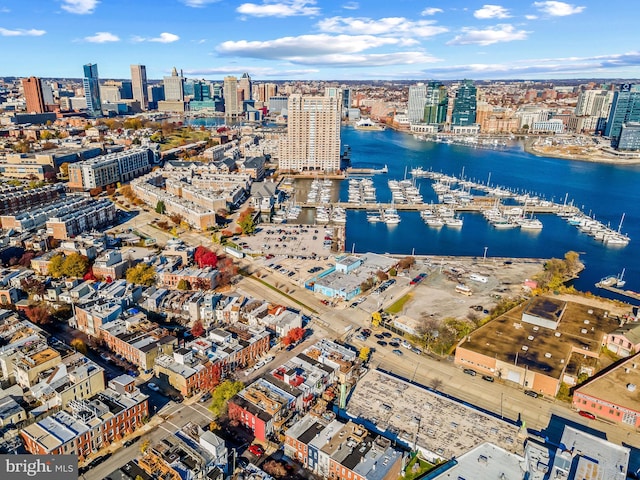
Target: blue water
(607, 191)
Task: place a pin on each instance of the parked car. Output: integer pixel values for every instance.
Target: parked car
(398, 352)
(205, 397)
(470, 371)
(394, 344)
(488, 378)
(587, 414)
(532, 393)
(131, 441)
(153, 386)
(257, 450)
(382, 343)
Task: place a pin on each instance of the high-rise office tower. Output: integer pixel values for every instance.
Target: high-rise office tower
(464, 105)
(173, 87)
(155, 94)
(417, 98)
(244, 87)
(33, 95)
(346, 99)
(625, 108)
(92, 90)
(435, 109)
(232, 108)
(139, 85)
(312, 142)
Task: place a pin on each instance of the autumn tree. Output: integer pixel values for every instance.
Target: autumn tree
(245, 221)
(293, 336)
(38, 314)
(406, 262)
(274, 468)
(205, 257)
(222, 394)
(227, 270)
(381, 276)
(364, 353)
(75, 265)
(64, 169)
(141, 274)
(55, 266)
(33, 286)
(79, 345)
(197, 330)
(183, 284)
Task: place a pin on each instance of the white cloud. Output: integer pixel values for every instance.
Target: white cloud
(558, 9)
(351, 6)
(395, 26)
(488, 36)
(491, 11)
(431, 11)
(5, 10)
(256, 72)
(198, 3)
(81, 7)
(20, 32)
(366, 60)
(102, 37)
(281, 8)
(531, 17)
(164, 37)
(305, 45)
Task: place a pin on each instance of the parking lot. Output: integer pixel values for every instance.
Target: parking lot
(301, 240)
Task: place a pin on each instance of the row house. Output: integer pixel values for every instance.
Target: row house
(36, 217)
(94, 215)
(110, 265)
(149, 189)
(342, 360)
(90, 317)
(201, 363)
(88, 426)
(18, 199)
(198, 278)
(137, 339)
(179, 304)
(344, 451)
(306, 374)
(264, 406)
(75, 378)
(32, 360)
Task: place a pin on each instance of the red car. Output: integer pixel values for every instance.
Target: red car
(257, 450)
(589, 415)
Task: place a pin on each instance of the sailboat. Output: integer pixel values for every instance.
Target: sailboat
(620, 282)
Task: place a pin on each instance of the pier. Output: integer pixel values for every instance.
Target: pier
(619, 291)
(418, 207)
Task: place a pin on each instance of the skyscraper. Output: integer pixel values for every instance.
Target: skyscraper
(435, 110)
(33, 95)
(244, 88)
(464, 105)
(92, 90)
(139, 85)
(624, 109)
(415, 107)
(313, 135)
(232, 108)
(173, 87)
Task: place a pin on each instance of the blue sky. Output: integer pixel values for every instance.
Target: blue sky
(323, 39)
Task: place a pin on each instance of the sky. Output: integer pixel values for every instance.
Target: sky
(323, 39)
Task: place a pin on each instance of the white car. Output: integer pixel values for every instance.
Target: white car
(258, 365)
(406, 344)
(153, 386)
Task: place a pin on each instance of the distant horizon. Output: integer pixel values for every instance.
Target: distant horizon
(313, 39)
(613, 80)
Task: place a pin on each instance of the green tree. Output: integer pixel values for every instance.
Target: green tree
(160, 208)
(141, 274)
(221, 395)
(183, 285)
(55, 266)
(75, 265)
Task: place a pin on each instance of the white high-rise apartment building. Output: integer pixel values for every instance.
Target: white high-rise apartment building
(139, 85)
(417, 102)
(313, 136)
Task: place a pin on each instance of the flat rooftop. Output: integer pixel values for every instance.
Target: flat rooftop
(612, 385)
(547, 351)
(443, 426)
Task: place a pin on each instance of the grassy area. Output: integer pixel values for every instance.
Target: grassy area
(183, 137)
(398, 305)
(416, 468)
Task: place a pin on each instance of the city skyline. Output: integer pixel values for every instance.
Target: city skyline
(310, 40)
